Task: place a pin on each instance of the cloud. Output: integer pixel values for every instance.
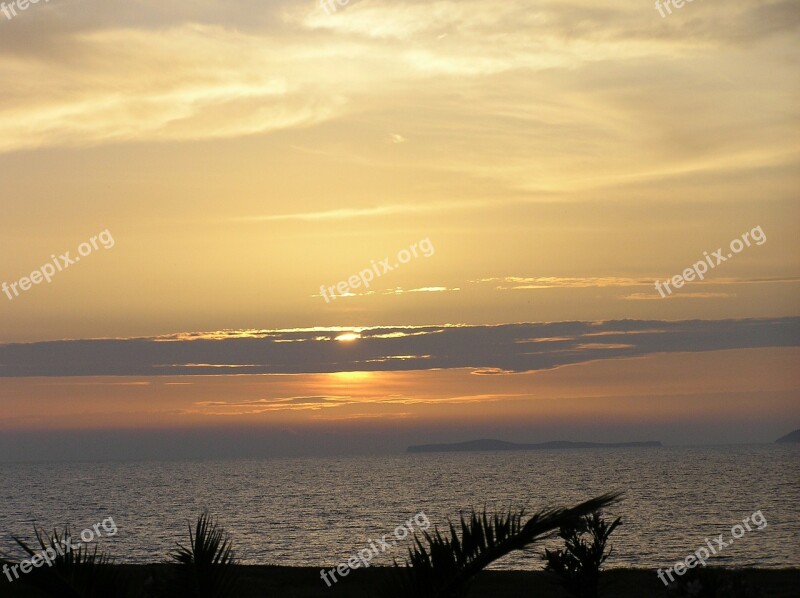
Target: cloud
(300, 403)
(211, 82)
(154, 71)
(559, 282)
(368, 212)
(487, 349)
(523, 283)
(651, 296)
(318, 403)
(398, 291)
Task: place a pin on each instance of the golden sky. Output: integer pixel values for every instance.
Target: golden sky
(556, 157)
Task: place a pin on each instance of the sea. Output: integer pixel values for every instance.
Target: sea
(320, 511)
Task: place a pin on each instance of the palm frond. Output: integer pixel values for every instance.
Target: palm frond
(208, 562)
(440, 566)
(73, 571)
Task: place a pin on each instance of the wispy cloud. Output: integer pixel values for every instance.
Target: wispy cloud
(212, 82)
(319, 403)
(521, 283)
(398, 291)
(555, 282)
(300, 403)
(366, 212)
(652, 296)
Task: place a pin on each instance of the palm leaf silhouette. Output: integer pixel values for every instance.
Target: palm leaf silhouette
(75, 572)
(440, 566)
(208, 562)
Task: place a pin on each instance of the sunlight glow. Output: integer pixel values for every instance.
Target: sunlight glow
(348, 336)
(352, 376)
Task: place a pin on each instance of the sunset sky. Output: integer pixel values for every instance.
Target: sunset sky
(230, 158)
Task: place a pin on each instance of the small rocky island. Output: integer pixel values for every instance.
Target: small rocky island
(501, 445)
(790, 437)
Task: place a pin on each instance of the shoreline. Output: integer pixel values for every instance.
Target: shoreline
(305, 582)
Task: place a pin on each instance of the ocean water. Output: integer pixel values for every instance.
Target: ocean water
(320, 511)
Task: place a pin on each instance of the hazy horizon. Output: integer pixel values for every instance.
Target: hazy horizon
(257, 228)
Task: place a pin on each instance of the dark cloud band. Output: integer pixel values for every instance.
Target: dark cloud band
(510, 348)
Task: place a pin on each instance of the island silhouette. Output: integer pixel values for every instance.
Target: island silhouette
(502, 445)
(790, 437)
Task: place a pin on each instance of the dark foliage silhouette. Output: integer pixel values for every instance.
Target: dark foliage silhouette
(578, 564)
(442, 566)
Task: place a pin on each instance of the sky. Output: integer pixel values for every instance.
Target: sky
(257, 228)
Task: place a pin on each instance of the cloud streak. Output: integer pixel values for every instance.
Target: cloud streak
(522, 283)
(487, 349)
(368, 212)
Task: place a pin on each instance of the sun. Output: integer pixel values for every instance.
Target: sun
(348, 337)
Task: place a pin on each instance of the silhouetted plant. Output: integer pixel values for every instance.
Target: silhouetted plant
(208, 564)
(578, 564)
(73, 572)
(442, 566)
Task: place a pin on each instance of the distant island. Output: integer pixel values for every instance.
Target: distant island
(501, 445)
(790, 437)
